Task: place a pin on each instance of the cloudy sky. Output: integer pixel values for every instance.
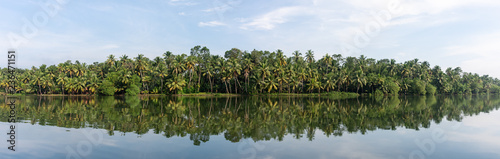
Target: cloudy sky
(449, 33)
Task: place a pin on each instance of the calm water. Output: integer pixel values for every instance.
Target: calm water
(253, 127)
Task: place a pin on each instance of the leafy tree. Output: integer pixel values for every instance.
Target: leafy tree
(132, 90)
(107, 88)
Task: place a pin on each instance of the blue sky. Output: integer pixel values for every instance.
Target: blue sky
(448, 33)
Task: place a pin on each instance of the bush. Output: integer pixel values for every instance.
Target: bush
(378, 92)
(418, 87)
(392, 87)
(430, 89)
(495, 89)
(132, 90)
(107, 88)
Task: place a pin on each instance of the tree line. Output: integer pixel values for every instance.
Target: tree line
(244, 72)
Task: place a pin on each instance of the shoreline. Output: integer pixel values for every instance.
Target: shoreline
(202, 94)
(336, 95)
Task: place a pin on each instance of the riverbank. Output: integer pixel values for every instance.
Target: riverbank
(336, 95)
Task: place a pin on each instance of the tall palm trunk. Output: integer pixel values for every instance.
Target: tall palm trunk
(235, 86)
(190, 77)
(225, 83)
(199, 79)
(211, 87)
(161, 87)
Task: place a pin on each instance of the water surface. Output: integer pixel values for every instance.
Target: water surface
(254, 127)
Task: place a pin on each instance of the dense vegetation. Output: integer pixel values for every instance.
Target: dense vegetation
(242, 72)
(256, 117)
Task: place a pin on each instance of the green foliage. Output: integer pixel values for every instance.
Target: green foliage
(418, 87)
(243, 72)
(132, 90)
(107, 88)
(135, 80)
(495, 89)
(378, 92)
(269, 115)
(430, 89)
(392, 87)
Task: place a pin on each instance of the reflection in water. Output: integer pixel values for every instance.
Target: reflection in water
(258, 118)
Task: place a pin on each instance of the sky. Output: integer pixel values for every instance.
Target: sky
(448, 33)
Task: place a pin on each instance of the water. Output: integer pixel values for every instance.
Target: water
(253, 127)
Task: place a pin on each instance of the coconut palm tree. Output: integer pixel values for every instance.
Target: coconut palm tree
(297, 56)
(314, 84)
(270, 84)
(235, 70)
(330, 82)
(62, 80)
(310, 56)
(175, 84)
(162, 73)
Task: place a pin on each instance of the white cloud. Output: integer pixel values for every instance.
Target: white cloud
(182, 3)
(436, 7)
(223, 6)
(211, 24)
(269, 20)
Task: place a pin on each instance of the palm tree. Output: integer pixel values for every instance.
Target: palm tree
(264, 70)
(314, 84)
(327, 59)
(295, 83)
(330, 83)
(209, 72)
(281, 79)
(162, 73)
(302, 75)
(281, 57)
(226, 80)
(37, 80)
(110, 62)
(310, 56)
(360, 80)
(190, 64)
(141, 65)
(248, 68)
(176, 83)
(62, 80)
(297, 56)
(271, 84)
(235, 69)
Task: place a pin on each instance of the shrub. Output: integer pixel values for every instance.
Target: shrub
(418, 87)
(392, 87)
(107, 88)
(495, 89)
(132, 90)
(378, 92)
(430, 89)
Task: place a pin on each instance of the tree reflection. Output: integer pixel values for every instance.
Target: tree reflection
(237, 118)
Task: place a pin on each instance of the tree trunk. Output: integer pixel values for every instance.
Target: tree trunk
(211, 87)
(190, 76)
(235, 86)
(225, 83)
(199, 79)
(161, 87)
